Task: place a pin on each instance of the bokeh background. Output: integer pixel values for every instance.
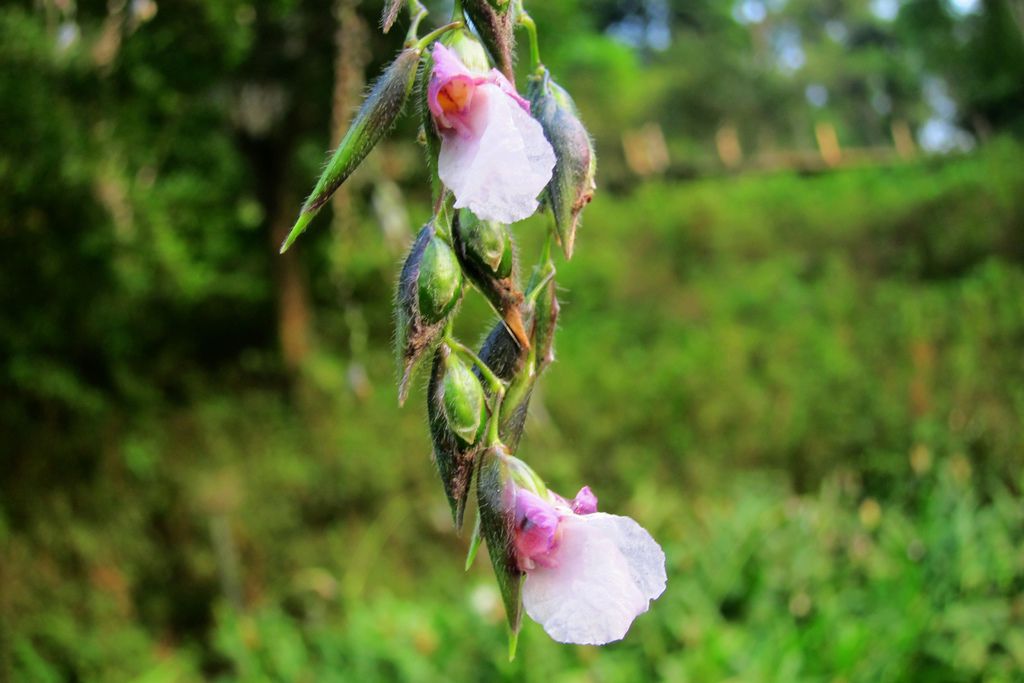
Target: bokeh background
(792, 346)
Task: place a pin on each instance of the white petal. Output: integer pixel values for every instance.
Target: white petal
(609, 569)
(498, 171)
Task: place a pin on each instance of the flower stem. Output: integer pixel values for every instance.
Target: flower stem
(416, 13)
(422, 43)
(548, 270)
(495, 382)
(526, 21)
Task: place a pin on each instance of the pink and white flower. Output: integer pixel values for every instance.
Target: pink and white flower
(588, 574)
(494, 156)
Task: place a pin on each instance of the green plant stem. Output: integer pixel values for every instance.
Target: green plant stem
(545, 268)
(548, 274)
(422, 43)
(416, 14)
(495, 382)
(526, 21)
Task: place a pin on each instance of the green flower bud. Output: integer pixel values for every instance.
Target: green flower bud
(454, 457)
(572, 181)
(495, 497)
(487, 258)
(428, 281)
(463, 400)
(494, 21)
(440, 280)
(375, 117)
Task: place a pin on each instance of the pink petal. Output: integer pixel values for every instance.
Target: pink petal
(502, 164)
(609, 569)
(536, 531)
(585, 502)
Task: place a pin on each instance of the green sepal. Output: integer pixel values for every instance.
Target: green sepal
(375, 117)
(572, 181)
(440, 280)
(455, 459)
(496, 499)
(463, 400)
(468, 49)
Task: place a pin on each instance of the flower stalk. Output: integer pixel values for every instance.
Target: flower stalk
(492, 155)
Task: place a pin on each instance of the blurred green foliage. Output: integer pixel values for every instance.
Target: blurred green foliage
(856, 336)
(810, 388)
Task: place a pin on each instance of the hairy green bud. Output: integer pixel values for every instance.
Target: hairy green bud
(453, 455)
(375, 117)
(485, 252)
(428, 282)
(572, 181)
(463, 400)
(439, 281)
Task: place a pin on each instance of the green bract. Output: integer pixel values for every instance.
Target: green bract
(375, 117)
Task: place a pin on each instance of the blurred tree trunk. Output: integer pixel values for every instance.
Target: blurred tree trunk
(269, 159)
(350, 59)
(294, 315)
